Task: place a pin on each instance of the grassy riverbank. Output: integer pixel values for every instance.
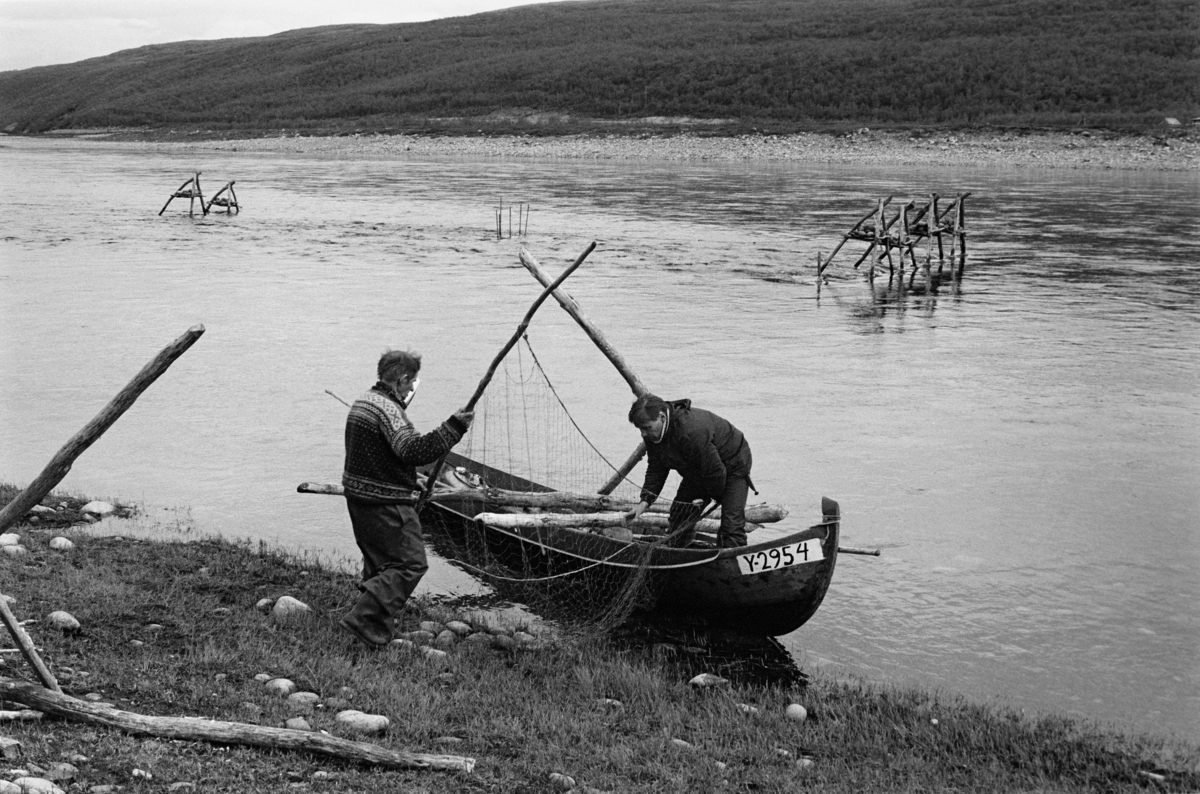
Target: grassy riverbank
(171, 628)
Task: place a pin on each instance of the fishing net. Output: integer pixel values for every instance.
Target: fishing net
(524, 440)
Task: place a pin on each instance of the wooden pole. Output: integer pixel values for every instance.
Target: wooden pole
(960, 229)
(178, 190)
(853, 550)
(762, 513)
(61, 463)
(26, 646)
(431, 481)
(848, 234)
(623, 471)
(219, 732)
(571, 306)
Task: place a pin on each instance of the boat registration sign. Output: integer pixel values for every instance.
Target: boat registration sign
(781, 557)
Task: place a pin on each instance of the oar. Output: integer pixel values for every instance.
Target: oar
(487, 378)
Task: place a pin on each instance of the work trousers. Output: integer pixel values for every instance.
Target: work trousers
(393, 548)
(732, 531)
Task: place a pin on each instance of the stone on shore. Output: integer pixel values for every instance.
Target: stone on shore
(303, 702)
(796, 712)
(264, 604)
(98, 508)
(445, 639)
(61, 544)
(298, 724)
(64, 621)
(434, 655)
(708, 681)
(287, 607)
(281, 686)
(10, 539)
(15, 551)
(562, 782)
(40, 510)
(9, 748)
(459, 628)
(358, 722)
(36, 785)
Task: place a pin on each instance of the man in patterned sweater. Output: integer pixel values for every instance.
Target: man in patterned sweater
(380, 481)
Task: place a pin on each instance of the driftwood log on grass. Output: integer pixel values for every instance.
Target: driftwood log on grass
(61, 463)
(202, 730)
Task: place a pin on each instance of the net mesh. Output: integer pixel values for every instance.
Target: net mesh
(524, 438)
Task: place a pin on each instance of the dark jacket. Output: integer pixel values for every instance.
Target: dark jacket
(701, 446)
(383, 449)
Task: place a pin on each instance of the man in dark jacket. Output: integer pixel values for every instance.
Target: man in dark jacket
(711, 455)
(380, 481)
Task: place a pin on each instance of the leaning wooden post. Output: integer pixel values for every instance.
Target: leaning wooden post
(26, 645)
(61, 463)
(571, 307)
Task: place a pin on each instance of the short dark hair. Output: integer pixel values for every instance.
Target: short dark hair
(646, 408)
(395, 364)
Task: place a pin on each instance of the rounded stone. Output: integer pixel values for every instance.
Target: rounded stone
(446, 639)
(432, 627)
(303, 702)
(281, 686)
(264, 604)
(10, 539)
(403, 645)
(562, 782)
(459, 628)
(263, 678)
(98, 508)
(61, 544)
(358, 722)
(434, 655)
(796, 712)
(708, 680)
(288, 607)
(15, 551)
(36, 785)
(298, 724)
(64, 621)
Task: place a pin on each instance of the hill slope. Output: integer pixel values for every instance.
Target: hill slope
(781, 64)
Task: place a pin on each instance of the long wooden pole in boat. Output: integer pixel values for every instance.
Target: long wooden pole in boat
(487, 378)
(220, 732)
(571, 306)
(60, 464)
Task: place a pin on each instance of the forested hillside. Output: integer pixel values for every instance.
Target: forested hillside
(772, 64)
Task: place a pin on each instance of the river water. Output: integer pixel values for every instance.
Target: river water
(1025, 450)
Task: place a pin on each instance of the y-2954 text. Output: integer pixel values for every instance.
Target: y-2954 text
(781, 557)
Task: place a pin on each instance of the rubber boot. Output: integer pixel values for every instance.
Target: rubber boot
(368, 621)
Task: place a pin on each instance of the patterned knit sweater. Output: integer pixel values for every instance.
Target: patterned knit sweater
(383, 449)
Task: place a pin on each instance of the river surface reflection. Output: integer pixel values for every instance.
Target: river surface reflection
(1025, 450)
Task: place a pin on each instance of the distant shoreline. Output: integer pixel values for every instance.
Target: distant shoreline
(1176, 151)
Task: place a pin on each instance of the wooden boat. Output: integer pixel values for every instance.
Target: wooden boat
(767, 588)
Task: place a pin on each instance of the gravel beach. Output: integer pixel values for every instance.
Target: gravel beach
(1174, 150)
